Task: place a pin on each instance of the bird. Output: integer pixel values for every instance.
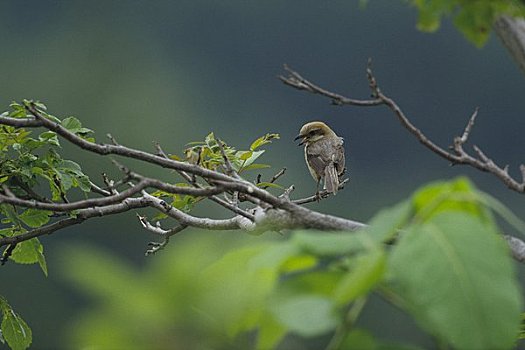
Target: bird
(324, 154)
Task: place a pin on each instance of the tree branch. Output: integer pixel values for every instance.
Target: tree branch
(458, 154)
(511, 31)
(81, 216)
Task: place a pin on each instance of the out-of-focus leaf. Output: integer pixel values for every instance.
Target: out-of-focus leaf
(384, 225)
(359, 339)
(456, 278)
(331, 243)
(299, 262)
(503, 211)
(239, 304)
(306, 315)
(457, 195)
(270, 332)
(366, 271)
(475, 23)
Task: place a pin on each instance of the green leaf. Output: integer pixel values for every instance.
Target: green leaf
(253, 157)
(255, 166)
(30, 252)
(15, 331)
(359, 339)
(49, 137)
(474, 22)
(457, 195)
(367, 270)
(386, 223)
(324, 243)
(75, 126)
(239, 304)
(455, 276)
(306, 315)
(35, 217)
(263, 140)
(270, 332)
(245, 155)
(71, 123)
(504, 212)
(428, 21)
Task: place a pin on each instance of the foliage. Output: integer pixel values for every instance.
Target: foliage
(13, 329)
(449, 269)
(27, 163)
(31, 164)
(473, 18)
(209, 155)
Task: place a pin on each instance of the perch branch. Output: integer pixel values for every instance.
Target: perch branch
(457, 155)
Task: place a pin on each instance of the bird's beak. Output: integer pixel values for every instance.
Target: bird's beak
(300, 137)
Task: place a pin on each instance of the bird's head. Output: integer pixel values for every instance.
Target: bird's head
(313, 132)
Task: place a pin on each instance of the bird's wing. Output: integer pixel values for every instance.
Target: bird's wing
(339, 159)
(317, 159)
(324, 153)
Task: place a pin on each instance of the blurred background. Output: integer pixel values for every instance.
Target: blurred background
(172, 71)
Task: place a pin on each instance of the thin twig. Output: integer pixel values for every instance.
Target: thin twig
(321, 195)
(460, 156)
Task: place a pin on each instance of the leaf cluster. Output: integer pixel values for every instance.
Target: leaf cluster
(28, 164)
(449, 269)
(473, 18)
(210, 154)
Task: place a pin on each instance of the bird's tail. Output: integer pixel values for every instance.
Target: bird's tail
(331, 180)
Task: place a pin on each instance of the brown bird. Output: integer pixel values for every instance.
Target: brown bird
(324, 154)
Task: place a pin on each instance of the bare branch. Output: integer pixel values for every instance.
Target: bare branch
(295, 80)
(107, 149)
(481, 162)
(229, 167)
(469, 126)
(273, 179)
(517, 247)
(143, 183)
(316, 197)
(237, 222)
(20, 122)
(164, 234)
(81, 216)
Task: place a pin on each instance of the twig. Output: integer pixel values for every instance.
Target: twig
(460, 156)
(237, 222)
(274, 178)
(295, 80)
(164, 234)
(229, 167)
(82, 215)
(315, 198)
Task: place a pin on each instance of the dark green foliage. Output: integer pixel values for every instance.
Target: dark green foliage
(448, 268)
(473, 18)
